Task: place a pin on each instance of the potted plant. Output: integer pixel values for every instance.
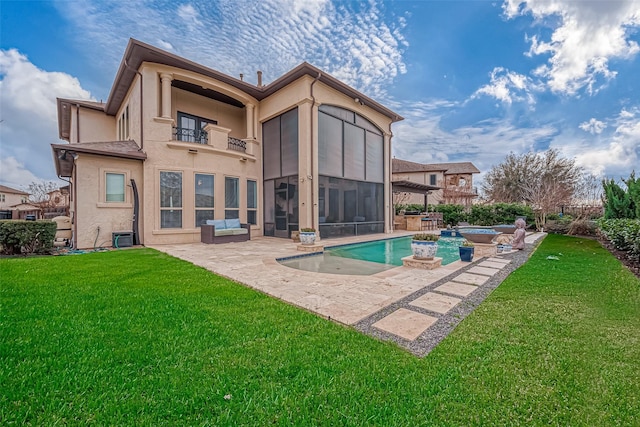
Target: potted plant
(466, 251)
(307, 236)
(424, 246)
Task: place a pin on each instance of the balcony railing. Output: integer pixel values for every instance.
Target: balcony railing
(190, 135)
(237, 144)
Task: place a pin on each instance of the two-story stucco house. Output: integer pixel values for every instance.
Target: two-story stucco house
(446, 183)
(14, 204)
(178, 143)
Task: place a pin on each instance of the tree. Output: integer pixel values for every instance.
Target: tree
(544, 181)
(621, 203)
(39, 192)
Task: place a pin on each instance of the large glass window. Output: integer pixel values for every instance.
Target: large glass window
(170, 199)
(351, 167)
(231, 198)
(114, 187)
(252, 201)
(204, 186)
(280, 145)
(329, 145)
(280, 172)
(349, 146)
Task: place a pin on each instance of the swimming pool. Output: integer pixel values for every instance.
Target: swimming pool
(369, 257)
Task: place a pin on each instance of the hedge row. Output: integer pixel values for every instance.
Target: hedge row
(26, 237)
(624, 234)
(498, 213)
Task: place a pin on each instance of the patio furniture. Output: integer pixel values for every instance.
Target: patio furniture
(224, 231)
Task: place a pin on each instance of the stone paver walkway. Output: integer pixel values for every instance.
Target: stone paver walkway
(428, 298)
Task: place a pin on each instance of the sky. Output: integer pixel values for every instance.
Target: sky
(474, 80)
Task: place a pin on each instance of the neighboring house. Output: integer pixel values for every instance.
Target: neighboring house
(178, 143)
(14, 204)
(57, 203)
(452, 182)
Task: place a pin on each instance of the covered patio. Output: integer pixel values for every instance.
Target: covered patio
(420, 220)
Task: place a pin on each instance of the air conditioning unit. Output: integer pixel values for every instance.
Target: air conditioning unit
(122, 239)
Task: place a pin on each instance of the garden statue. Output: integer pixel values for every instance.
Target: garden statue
(518, 235)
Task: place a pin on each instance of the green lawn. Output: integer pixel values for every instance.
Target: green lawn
(135, 337)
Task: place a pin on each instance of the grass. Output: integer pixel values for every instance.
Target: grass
(137, 337)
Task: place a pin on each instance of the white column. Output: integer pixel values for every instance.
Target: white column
(249, 111)
(166, 79)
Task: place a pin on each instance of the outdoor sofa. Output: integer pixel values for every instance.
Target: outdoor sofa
(224, 231)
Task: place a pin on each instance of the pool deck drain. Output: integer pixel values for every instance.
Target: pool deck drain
(359, 301)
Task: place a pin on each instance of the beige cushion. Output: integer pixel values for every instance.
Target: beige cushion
(225, 232)
(239, 231)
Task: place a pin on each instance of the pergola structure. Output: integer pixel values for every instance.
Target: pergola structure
(413, 187)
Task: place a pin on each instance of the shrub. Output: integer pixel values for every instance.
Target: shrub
(582, 227)
(624, 234)
(452, 214)
(27, 236)
(427, 237)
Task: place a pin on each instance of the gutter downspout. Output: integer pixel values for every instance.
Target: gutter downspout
(313, 184)
(126, 64)
(77, 122)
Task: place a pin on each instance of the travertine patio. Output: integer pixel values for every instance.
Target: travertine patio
(343, 298)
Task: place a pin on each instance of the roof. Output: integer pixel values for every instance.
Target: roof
(400, 166)
(5, 189)
(412, 187)
(63, 154)
(138, 52)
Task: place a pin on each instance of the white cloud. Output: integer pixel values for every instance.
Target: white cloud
(355, 43)
(586, 36)
(508, 86)
(593, 126)
(615, 153)
(422, 138)
(29, 118)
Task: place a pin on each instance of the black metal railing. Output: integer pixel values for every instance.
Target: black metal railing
(237, 144)
(190, 135)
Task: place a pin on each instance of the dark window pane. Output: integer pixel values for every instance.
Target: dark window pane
(329, 145)
(252, 194)
(341, 113)
(202, 215)
(289, 142)
(231, 192)
(171, 189)
(252, 217)
(375, 158)
(271, 148)
(204, 190)
(228, 214)
(171, 218)
(353, 152)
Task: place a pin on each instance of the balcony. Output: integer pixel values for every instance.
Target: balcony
(197, 136)
(202, 137)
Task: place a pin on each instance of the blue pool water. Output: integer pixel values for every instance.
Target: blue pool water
(391, 251)
(368, 258)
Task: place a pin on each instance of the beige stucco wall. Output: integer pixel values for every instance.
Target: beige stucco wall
(95, 126)
(12, 199)
(165, 154)
(95, 218)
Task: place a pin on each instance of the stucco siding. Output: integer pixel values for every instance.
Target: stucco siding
(96, 218)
